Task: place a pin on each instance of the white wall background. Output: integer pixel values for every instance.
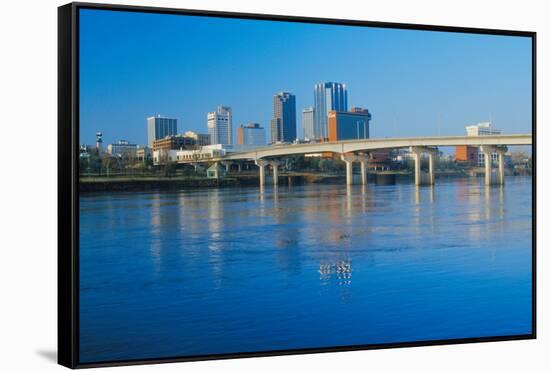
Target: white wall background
(28, 155)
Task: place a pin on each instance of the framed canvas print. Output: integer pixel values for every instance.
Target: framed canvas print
(236, 185)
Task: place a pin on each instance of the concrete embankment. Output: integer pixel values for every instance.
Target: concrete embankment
(113, 184)
(145, 183)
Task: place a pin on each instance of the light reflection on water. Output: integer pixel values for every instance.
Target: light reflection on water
(234, 270)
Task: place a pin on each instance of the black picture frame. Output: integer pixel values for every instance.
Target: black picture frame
(68, 193)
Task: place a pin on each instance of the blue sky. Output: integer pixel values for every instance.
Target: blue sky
(135, 65)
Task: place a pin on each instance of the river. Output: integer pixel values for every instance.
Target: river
(211, 271)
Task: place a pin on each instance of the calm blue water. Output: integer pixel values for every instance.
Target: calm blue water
(234, 270)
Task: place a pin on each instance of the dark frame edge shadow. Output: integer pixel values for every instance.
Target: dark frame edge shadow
(68, 132)
(67, 271)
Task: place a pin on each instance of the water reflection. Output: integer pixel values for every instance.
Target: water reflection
(339, 272)
(215, 270)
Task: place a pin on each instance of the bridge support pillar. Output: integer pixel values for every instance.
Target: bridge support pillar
(488, 159)
(348, 160)
(364, 165)
(261, 164)
(501, 151)
(239, 167)
(227, 165)
(431, 164)
(275, 168)
(417, 152)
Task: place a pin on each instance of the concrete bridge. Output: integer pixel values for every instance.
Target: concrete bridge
(351, 151)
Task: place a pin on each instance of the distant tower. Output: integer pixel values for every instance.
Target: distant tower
(219, 124)
(98, 140)
(328, 96)
(307, 123)
(283, 123)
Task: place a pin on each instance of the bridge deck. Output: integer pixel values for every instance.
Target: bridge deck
(375, 144)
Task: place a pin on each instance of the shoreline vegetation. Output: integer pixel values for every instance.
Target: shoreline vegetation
(113, 183)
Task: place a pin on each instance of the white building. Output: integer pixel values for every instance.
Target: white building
(252, 134)
(163, 156)
(198, 154)
(483, 128)
(205, 153)
(308, 123)
(230, 148)
(220, 126)
(122, 149)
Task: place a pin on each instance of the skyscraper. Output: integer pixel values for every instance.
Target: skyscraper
(283, 123)
(307, 123)
(251, 134)
(159, 127)
(327, 96)
(220, 125)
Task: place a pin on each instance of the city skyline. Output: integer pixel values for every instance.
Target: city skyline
(414, 82)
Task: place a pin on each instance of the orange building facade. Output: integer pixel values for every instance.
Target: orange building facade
(466, 154)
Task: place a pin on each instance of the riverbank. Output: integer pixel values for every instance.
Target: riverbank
(178, 182)
(147, 183)
(109, 184)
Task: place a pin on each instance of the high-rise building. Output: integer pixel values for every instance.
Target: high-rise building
(307, 123)
(220, 125)
(283, 123)
(251, 134)
(328, 96)
(348, 125)
(159, 127)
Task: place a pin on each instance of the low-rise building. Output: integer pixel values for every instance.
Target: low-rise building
(380, 158)
(174, 142)
(483, 128)
(198, 154)
(122, 148)
(472, 155)
(164, 156)
(144, 154)
(200, 139)
(467, 154)
(215, 171)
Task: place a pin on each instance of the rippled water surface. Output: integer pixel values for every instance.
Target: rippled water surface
(239, 269)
